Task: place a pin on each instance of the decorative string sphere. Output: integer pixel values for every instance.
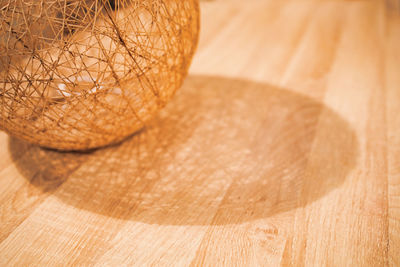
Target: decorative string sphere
(80, 74)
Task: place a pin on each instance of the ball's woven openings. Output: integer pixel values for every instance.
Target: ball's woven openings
(79, 74)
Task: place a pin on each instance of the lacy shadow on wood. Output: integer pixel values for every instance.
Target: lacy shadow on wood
(223, 152)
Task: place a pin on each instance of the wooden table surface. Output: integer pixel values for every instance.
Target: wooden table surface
(282, 148)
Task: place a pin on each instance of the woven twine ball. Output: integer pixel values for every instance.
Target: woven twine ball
(80, 74)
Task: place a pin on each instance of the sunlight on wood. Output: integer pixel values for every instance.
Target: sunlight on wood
(282, 148)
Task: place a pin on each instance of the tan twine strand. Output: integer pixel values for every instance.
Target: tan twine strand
(80, 74)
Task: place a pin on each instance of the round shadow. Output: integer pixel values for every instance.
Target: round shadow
(223, 152)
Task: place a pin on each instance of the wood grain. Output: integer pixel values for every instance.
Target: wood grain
(282, 148)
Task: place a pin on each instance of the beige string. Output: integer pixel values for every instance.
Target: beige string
(79, 74)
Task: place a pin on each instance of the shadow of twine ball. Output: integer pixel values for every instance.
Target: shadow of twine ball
(81, 74)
